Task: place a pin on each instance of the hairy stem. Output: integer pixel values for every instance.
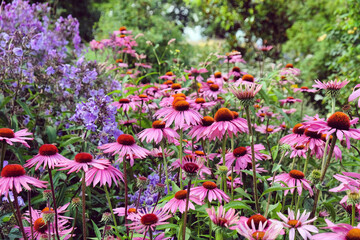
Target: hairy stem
(54, 203)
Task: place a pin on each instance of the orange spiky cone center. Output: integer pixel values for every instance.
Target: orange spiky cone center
(181, 195)
(7, 132)
(296, 174)
(209, 185)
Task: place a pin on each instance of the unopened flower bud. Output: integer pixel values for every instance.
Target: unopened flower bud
(315, 176)
(106, 217)
(47, 195)
(285, 148)
(223, 170)
(76, 203)
(48, 216)
(353, 198)
(160, 188)
(142, 182)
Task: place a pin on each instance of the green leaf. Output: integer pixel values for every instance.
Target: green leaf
(276, 188)
(71, 141)
(243, 193)
(51, 133)
(25, 107)
(275, 207)
(96, 230)
(167, 226)
(238, 205)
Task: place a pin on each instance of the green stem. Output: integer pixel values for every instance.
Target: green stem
(180, 157)
(54, 202)
(302, 108)
(83, 205)
(3, 152)
(74, 223)
(165, 166)
(210, 222)
(248, 117)
(333, 102)
(30, 214)
(223, 152)
(18, 213)
(232, 183)
(186, 209)
(353, 215)
(307, 161)
(126, 197)
(111, 209)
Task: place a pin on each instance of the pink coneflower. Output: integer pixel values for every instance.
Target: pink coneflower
(10, 137)
(146, 220)
(125, 145)
(299, 223)
(267, 129)
(262, 232)
(289, 111)
(197, 72)
(175, 88)
(168, 76)
(141, 98)
(226, 123)
(199, 130)
(355, 94)
(107, 175)
(157, 152)
(247, 91)
(264, 48)
(290, 70)
(294, 178)
(210, 191)
(289, 100)
(83, 161)
(192, 165)
(222, 218)
(331, 86)
(13, 178)
(211, 91)
(339, 123)
(242, 156)
(298, 151)
(157, 133)
(179, 202)
(348, 184)
(180, 114)
(236, 72)
(313, 139)
(304, 89)
(131, 212)
(125, 104)
(341, 231)
(48, 156)
(200, 103)
(40, 227)
(295, 137)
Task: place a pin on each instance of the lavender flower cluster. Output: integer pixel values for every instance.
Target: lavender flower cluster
(98, 117)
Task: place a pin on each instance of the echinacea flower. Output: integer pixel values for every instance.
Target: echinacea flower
(48, 156)
(246, 93)
(125, 104)
(14, 178)
(304, 89)
(199, 130)
(332, 87)
(223, 218)
(211, 91)
(226, 123)
(158, 152)
(157, 133)
(179, 202)
(192, 166)
(267, 129)
(289, 100)
(131, 211)
(147, 219)
(242, 156)
(106, 175)
(180, 114)
(262, 232)
(352, 186)
(83, 161)
(210, 191)
(339, 123)
(289, 70)
(294, 178)
(125, 145)
(341, 231)
(355, 94)
(296, 137)
(298, 223)
(11, 137)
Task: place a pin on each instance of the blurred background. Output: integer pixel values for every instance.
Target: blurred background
(318, 36)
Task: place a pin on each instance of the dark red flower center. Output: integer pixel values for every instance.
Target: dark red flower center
(200, 100)
(240, 151)
(305, 88)
(122, 28)
(191, 167)
(119, 60)
(158, 124)
(293, 223)
(217, 75)
(312, 134)
(262, 114)
(223, 114)
(210, 82)
(289, 65)
(40, 225)
(269, 129)
(7, 132)
(83, 157)
(176, 86)
(13, 170)
(169, 74)
(256, 106)
(207, 121)
(143, 96)
(339, 120)
(290, 98)
(124, 100)
(299, 147)
(248, 78)
(209, 185)
(179, 95)
(222, 221)
(235, 114)
(199, 153)
(296, 174)
(47, 209)
(236, 69)
(48, 150)
(258, 235)
(181, 195)
(149, 219)
(353, 234)
(181, 105)
(168, 82)
(257, 218)
(214, 87)
(298, 130)
(126, 139)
